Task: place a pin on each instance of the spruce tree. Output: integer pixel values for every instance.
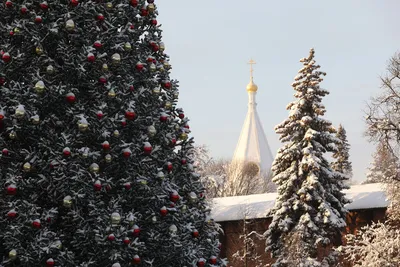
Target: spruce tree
(309, 211)
(342, 163)
(95, 164)
(383, 169)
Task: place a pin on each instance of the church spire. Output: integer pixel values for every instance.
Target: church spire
(252, 146)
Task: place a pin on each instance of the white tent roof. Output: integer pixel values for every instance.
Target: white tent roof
(253, 145)
(257, 206)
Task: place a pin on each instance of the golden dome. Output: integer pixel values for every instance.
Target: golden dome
(251, 87)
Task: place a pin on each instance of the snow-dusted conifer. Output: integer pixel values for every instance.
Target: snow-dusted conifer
(342, 163)
(309, 210)
(384, 166)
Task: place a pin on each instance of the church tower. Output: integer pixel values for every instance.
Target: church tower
(252, 147)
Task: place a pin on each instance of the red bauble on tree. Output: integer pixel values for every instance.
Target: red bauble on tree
(67, 152)
(134, 3)
(106, 145)
(174, 197)
(166, 84)
(91, 58)
(38, 19)
(181, 115)
(97, 186)
(111, 237)
(127, 241)
(213, 260)
(173, 142)
(11, 214)
(100, 17)
(6, 57)
(201, 263)
(74, 2)
(50, 263)
(103, 80)
(36, 224)
(97, 45)
(136, 230)
(44, 5)
(126, 153)
(2, 81)
(24, 10)
(169, 167)
(144, 12)
(130, 115)
(154, 22)
(127, 186)
(70, 97)
(9, 4)
(195, 233)
(147, 148)
(163, 211)
(183, 161)
(139, 66)
(136, 260)
(163, 117)
(99, 114)
(11, 189)
(5, 151)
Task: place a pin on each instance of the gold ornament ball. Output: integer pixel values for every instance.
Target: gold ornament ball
(108, 158)
(111, 93)
(50, 69)
(143, 182)
(127, 46)
(150, 7)
(57, 244)
(156, 91)
(116, 133)
(160, 67)
(35, 120)
(67, 202)
(116, 58)
(85, 155)
(94, 168)
(104, 67)
(39, 50)
(168, 105)
(70, 25)
(162, 47)
(153, 67)
(183, 136)
(13, 135)
(151, 130)
(167, 65)
(16, 30)
(176, 94)
(27, 167)
(115, 219)
(19, 113)
(83, 126)
(12, 255)
(40, 87)
(109, 5)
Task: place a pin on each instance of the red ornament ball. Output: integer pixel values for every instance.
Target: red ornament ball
(24, 10)
(11, 214)
(173, 142)
(74, 2)
(5, 151)
(127, 241)
(2, 80)
(99, 114)
(97, 185)
(6, 57)
(154, 22)
(147, 148)
(183, 161)
(66, 152)
(130, 115)
(163, 211)
(213, 260)
(97, 45)
(36, 224)
(167, 85)
(91, 58)
(136, 230)
(11, 189)
(139, 66)
(136, 259)
(131, 88)
(100, 17)
(174, 197)
(181, 115)
(201, 263)
(126, 153)
(50, 263)
(123, 123)
(9, 4)
(127, 186)
(163, 117)
(44, 5)
(105, 145)
(70, 97)
(144, 12)
(111, 237)
(134, 3)
(195, 233)
(103, 80)
(169, 167)
(38, 19)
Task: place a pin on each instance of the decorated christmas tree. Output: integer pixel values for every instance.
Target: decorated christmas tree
(95, 154)
(309, 211)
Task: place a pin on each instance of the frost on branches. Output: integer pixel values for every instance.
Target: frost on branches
(95, 154)
(309, 212)
(342, 163)
(384, 167)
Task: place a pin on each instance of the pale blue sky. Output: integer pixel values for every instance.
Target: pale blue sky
(210, 42)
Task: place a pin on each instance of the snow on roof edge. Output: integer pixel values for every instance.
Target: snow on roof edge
(366, 196)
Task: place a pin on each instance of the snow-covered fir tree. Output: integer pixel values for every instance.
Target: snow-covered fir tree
(309, 211)
(341, 157)
(95, 164)
(384, 165)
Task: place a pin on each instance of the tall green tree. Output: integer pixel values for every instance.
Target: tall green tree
(342, 162)
(309, 210)
(95, 162)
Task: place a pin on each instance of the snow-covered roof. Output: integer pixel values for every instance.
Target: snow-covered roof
(367, 196)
